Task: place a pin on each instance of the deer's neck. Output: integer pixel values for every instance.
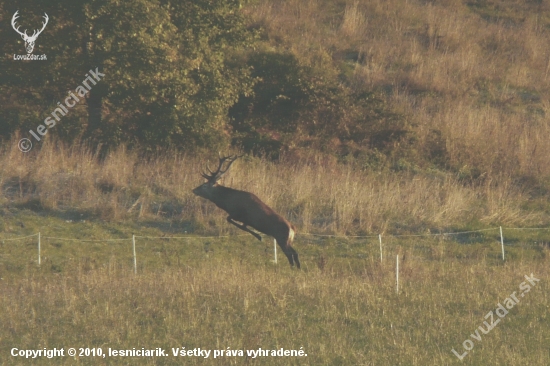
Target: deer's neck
(221, 196)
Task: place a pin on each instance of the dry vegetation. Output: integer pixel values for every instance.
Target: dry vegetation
(471, 76)
(316, 193)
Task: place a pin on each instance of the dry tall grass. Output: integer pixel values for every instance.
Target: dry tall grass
(315, 192)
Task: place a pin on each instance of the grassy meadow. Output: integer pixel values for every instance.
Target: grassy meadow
(471, 78)
(215, 293)
(342, 308)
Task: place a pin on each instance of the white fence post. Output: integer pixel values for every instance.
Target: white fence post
(380, 239)
(502, 242)
(134, 250)
(397, 274)
(39, 248)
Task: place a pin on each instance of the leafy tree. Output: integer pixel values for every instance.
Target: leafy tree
(169, 79)
(299, 105)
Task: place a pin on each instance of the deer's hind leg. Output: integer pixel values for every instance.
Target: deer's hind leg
(290, 254)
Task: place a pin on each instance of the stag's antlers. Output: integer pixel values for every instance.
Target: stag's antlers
(215, 176)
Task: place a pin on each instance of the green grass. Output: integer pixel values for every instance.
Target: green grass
(210, 293)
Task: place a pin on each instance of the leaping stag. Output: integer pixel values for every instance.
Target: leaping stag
(245, 209)
(29, 41)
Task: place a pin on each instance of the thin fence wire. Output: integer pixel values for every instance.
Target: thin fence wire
(379, 236)
(297, 234)
(189, 237)
(337, 236)
(398, 235)
(19, 237)
(526, 228)
(84, 240)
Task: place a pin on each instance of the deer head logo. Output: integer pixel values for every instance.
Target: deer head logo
(29, 40)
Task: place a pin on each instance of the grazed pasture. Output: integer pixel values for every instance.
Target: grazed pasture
(215, 293)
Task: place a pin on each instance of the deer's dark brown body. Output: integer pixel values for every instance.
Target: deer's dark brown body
(247, 209)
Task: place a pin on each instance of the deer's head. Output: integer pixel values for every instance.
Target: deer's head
(205, 190)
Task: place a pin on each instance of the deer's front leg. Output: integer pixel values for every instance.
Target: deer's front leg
(244, 228)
